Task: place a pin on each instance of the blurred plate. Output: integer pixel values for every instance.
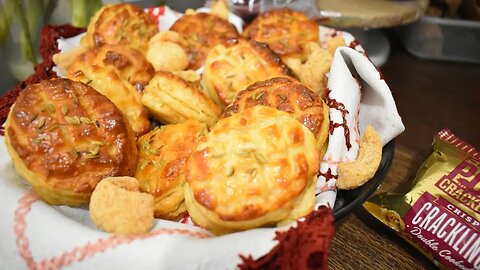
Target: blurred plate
(348, 200)
(369, 13)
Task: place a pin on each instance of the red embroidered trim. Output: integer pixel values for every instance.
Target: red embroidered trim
(79, 253)
(303, 247)
(48, 47)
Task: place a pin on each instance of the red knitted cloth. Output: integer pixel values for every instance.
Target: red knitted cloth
(48, 47)
(304, 247)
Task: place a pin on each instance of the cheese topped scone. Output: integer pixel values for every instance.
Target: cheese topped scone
(162, 154)
(119, 91)
(291, 96)
(255, 168)
(202, 31)
(64, 137)
(234, 65)
(125, 24)
(286, 31)
(129, 63)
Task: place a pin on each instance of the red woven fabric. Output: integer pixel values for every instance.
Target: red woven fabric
(304, 247)
(48, 47)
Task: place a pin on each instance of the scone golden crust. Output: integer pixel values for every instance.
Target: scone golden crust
(284, 30)
(124, 24)
(254, 168)
(291, 96)
(119, 91)
(130, 63)
(171, 99)
(202, 31)
(64, 137)
(234, 65)
(161, 165)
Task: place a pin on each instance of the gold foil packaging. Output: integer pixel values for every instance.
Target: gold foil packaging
(440, 214)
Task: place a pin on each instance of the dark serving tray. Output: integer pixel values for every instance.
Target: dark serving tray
(349, 200)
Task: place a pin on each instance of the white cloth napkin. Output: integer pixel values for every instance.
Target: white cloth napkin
(36, 235)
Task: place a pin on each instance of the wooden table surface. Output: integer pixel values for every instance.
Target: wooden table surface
(430, 95)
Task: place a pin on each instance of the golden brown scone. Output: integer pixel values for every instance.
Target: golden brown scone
(286, 31)
(312, 72)
(202, 31)
(170, 99)
(129, 63)
(161, 165)
(356, 173)
(291, 96)
(118, 206)
(119, 91)
(64, 137)
(63, 60)
(231, 67)
(124, 24)
(255, 168)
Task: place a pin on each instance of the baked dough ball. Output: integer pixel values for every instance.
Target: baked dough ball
(231, 67)
(124, 24)
(172, 100)
(291, 96)
(255, 168)
(202, 31)
(165, 52)
(118, 91)
(284, 30)
(161, 165)
(64, 137)
(129, 63)
(118, 206)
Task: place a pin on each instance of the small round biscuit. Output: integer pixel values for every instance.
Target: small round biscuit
(166, 53)
(284, 30)
(118, 206)
(162, 154)
(124, 24)
(255, 168)
(129, 63)
(172, 100)
(119, 91)
(64, 137)
(231, 67)
(202, 31)
(291, 96)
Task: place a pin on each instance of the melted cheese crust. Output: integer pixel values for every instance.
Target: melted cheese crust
(251, 170)
(202, 31)
(129, 63)
(286, 31)
(291, 96)
(119, 91)
(124, 24)
(231, 67)
(64, 137)
(161, 164)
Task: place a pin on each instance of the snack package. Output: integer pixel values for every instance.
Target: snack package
(440, 215)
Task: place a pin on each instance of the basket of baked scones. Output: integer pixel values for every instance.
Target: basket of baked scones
(168, 140)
